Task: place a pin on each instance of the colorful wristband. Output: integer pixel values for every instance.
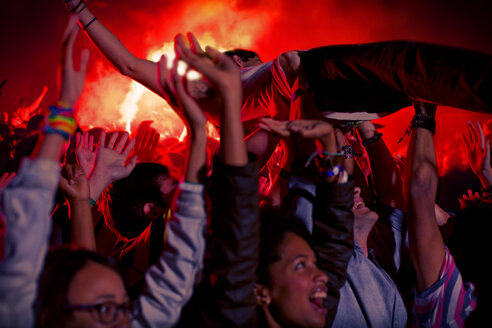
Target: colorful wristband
(60, 121)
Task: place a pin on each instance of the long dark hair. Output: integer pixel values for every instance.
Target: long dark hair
(122, 203)
(61, 265)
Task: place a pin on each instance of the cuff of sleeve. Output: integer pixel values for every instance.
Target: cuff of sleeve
(339, 194)
(191, 187)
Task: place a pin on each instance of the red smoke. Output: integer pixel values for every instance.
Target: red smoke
(268, 26)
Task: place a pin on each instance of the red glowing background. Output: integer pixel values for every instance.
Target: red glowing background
(30, 34)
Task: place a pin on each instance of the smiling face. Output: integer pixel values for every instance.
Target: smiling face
(94, 284)
(297, 287)
(361, 211)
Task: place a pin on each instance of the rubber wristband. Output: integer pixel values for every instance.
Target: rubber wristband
(90, 22)
(425, 122)
(92, 201)
(76, 7)
(374, 138)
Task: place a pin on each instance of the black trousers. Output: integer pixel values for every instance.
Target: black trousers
(384, 77)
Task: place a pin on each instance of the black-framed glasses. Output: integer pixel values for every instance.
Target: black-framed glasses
(106, 312)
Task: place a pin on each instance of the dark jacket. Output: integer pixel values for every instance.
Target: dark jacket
(225, 298)
(333, 236)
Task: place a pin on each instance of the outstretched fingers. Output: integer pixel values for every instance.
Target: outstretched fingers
(69, 37)
(165, 82)
(274, 126)
(195, 45)
(112, 140)
(102, 139)
(121, 143)
(129, 148)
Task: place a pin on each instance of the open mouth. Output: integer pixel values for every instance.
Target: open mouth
(358, 205)
(316, 300)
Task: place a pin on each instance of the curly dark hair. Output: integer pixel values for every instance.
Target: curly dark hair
(275, 224)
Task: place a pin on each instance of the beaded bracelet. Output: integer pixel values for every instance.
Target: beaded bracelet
(349, 125)
(372, 139)
(60, 121)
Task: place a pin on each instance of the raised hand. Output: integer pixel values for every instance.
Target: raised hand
(192, 112)
(111, 163)
(166, 84)
(146, 141)
(193, 117)
(215, 66)
(73, 183)
(310, 129)
(478, 153)
(86, 154)
(111, 158)
(75, 187)
(72, 80)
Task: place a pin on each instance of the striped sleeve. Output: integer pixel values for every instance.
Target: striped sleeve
(448, 303)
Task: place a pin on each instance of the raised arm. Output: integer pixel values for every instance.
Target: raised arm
(426, 244)
(141, 70)
(111, 162)
(75, 187)
(226, 296)
(332, 217)
(170, 281)
(387, 180)
(26, 202)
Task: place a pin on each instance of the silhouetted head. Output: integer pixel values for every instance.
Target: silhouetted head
(244, 58)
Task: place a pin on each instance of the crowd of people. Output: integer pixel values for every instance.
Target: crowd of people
(299, 216)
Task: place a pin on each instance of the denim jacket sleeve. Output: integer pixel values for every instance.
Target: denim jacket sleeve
(169, 282)
(26, 203)
(227, 295)
(333, 236)
(387, 237)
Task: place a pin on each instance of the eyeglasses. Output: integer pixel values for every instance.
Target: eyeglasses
(107, 312)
